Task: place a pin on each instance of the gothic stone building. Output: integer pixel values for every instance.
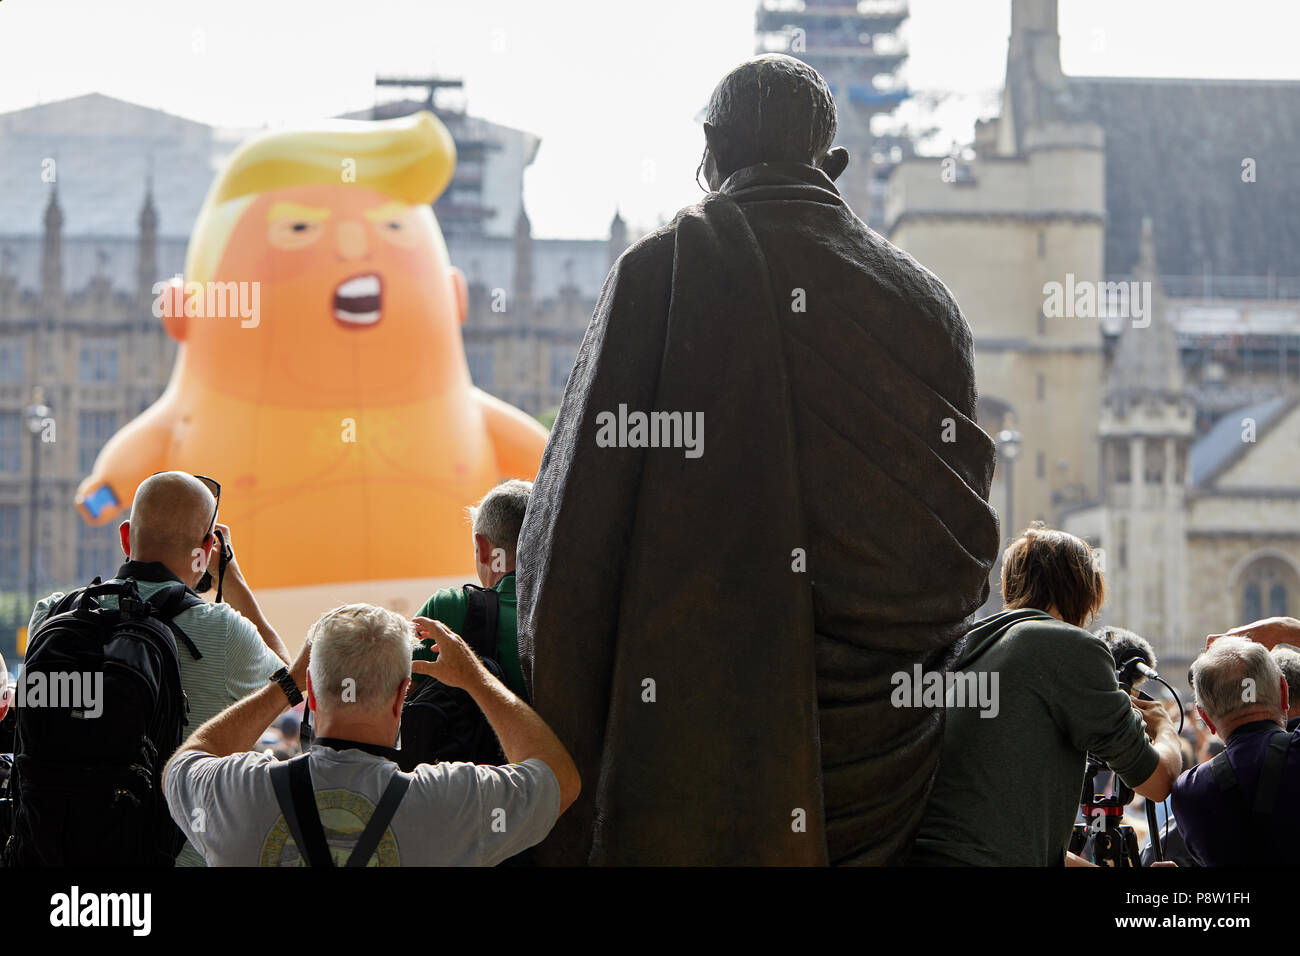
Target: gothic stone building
(1171, 439)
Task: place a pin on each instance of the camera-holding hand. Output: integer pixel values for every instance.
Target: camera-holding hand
(1155, 716)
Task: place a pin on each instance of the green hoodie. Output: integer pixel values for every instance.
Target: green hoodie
(1008, 787)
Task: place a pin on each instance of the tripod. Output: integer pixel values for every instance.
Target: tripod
(1115, 842)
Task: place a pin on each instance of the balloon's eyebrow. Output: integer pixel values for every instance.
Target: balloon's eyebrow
(291, 210)
(389, 210)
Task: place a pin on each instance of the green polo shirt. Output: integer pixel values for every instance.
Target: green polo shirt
(448, 606)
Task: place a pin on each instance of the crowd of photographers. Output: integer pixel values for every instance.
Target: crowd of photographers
(1008, 789)
(480, 778)
(245, 697)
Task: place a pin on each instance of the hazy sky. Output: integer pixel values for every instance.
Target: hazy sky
(611, 86)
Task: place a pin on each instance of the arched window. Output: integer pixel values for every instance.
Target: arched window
(1268, 587)
(1121, 461)
(1252, 608)
(1277, 601)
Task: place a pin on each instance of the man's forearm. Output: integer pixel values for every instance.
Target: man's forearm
(1158, 785)
(523, 734)
(1170, 749)
(240, 596)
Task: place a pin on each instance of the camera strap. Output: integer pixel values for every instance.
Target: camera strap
(1259, 819)
(170, 600)
(297, 798)
(223, 559)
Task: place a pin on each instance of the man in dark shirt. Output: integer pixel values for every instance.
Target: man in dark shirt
(1243, 697)
(1288, 659)
(1281, 635)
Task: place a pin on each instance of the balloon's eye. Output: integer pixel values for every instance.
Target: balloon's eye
(399, 230)
(291, 234)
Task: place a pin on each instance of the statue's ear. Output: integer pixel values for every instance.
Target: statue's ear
(836, 161)
(169, 305)
(718, 145)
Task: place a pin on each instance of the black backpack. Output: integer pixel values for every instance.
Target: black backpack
(87, 790)
(441, 723)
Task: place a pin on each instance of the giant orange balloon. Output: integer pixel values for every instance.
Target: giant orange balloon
(321, 376)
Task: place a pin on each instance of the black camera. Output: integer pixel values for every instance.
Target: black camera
(224, 557)
(1106, 836)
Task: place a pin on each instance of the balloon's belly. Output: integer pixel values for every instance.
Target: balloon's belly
(307, 511)
(292, 610)
(354, 531)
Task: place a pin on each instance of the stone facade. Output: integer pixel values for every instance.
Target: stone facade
(1128, 422)
(100, 358)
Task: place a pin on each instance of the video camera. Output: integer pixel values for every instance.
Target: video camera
(1113, 842)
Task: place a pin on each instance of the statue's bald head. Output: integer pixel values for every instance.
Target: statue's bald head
(170, 517)
(770, 109)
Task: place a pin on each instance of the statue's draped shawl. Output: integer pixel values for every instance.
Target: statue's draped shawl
(686, 623)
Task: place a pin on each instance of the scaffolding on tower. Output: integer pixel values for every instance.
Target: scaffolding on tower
(857, 49)
(460, 209)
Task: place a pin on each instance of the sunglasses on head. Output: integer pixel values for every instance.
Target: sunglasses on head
(213, 486)
(205, 582)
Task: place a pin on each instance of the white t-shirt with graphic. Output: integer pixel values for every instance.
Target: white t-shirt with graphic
(453, 814)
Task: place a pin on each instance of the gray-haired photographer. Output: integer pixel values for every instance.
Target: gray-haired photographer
(444, 723)
(1240, 809)
(346, 801)
(1288, 659)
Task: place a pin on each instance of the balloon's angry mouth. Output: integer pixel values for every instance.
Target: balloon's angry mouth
(357, 301)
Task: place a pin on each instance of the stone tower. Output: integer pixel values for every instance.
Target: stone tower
(1146, 429)
(147, 253)
(1027, 215)
(522, 306)
(617, 237)
(52, 256)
